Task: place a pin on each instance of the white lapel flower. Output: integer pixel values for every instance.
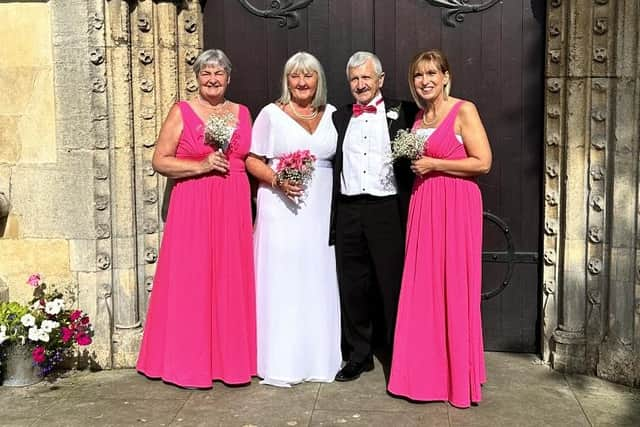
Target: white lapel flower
(28, 320)
(392, 115)
(34, 334)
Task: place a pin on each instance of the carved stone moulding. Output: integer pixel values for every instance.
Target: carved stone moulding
(554, 56)
(599, 142)
(549, 256)
(554, 85)
(567, 335)
(145, 56)
(594, 265)
(190, 56)
(595, 234)
(551, 227)
(551, 198)
(191, 86)
(549, 286)
(554, 29)
(103, 261)
(144, 24)
(600, 54)
(96, 22)
(556, 3)
(96, 56)
(596, 172)
(553, 112)
(553, 140)
(150, 255)
(190, 23)
(597, 202)
(601, 25)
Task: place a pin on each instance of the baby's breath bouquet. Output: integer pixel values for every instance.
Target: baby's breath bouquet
(408, 145)
(219, 130)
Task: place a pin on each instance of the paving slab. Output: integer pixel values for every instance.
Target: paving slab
(521, 391)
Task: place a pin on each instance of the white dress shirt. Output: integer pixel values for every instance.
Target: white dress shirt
(366, 153)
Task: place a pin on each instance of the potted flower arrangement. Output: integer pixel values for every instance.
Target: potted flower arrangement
(34, 338)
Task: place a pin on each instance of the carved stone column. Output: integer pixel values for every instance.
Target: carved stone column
(150, 48)
(591, 160)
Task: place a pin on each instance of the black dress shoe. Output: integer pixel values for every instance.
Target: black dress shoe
(352, 370)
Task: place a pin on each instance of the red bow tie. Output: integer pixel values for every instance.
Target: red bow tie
(358, 109)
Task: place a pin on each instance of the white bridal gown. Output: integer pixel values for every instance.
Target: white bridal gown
(298, 308)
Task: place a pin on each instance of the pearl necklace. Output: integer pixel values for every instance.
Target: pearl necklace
(303, 116)
(219, 106)
(431, 122)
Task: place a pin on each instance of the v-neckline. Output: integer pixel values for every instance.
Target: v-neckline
(195, 113)
(298, 124)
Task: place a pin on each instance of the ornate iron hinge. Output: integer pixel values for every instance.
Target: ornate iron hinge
(285, 11)
(459, 7)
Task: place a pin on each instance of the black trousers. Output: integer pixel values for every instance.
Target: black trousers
(369, 257)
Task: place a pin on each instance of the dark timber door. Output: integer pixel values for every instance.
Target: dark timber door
(496, 55)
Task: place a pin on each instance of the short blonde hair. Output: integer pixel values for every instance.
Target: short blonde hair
(439, 59)
(305, 62)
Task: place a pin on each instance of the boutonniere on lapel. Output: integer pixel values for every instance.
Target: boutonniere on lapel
(393, 114)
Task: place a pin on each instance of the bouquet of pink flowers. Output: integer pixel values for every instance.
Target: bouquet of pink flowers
(296, 167)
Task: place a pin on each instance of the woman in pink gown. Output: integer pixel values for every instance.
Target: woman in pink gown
(438, 351)
(200, 324)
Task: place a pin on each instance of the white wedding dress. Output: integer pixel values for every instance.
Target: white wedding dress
(297, 300)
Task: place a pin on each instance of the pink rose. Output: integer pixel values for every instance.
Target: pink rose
(85, 320)
(75, 315)
(38, 354)
(83, 339)
(66, 334)
(34, 280)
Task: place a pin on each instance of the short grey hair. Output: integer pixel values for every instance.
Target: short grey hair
(305, 62)
(212, 58)
(359, 58)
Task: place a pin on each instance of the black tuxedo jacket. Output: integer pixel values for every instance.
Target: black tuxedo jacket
(404, 177)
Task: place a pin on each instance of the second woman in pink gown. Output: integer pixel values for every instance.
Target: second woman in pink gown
(200, 325)
(438, 350)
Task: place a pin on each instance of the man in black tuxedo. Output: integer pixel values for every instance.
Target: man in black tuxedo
(368, 212)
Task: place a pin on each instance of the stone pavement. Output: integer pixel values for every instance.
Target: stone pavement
(521, 391)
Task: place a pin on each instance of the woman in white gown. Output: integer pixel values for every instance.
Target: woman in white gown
(298, 311)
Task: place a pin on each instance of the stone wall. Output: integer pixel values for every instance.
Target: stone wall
(89, 83)
(591, 283)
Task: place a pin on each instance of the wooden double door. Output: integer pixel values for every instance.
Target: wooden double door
(497, 60)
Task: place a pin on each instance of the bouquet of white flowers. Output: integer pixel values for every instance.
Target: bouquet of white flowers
(408, 145)
(219, 130)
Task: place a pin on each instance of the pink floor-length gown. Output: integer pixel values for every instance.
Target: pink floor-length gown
(201, 320)
(438, 349)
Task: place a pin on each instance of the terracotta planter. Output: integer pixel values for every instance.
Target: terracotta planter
(18, 367)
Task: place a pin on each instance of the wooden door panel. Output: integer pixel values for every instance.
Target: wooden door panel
(496, 57)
